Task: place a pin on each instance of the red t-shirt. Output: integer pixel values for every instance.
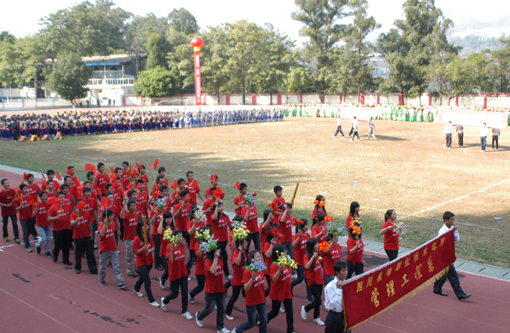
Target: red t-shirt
(69, 200)
(74, 191)
(25, 212)
(6, 198)
(349, 219)
(199, 267)
(256, 294)
(130, 221)
(239, 200)
(144, 178)
(192, 240)
(268, 260)
(390, 237)
(300, 248)
(143, 198)
(358, 256)
(181, 220)
(220, 228)
(280, 290)
(315, 212)
(142, 258)
(230, 237)
(41, 218)
(107, 242)
(81, 229)
(178, 268)
(155, 226)
(237, 277)
(278, 202)
(213, 282)
(193, 190)
(253, 219)
(51, 194)
(316, 229)
(118, 195)
(176, 197)
(285, 227)
(125, 179)
(314, 274)
(90, 205)
(330, 258)
(164, 246)
(33, 190)
(63, 222)
(208, 203)
(102, 180)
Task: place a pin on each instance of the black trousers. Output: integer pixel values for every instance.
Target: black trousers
(255, 236)
(145, 279)
(316, 290)
(392, 254)
(354, 268)
(454, 281)
(191, 261)
(14, 220)
(334, 322)
(165, 275)
(495, 139)
(236, 290)
(461, 139)
(339, 129)
(27, 226)
(199, 287)
(223, 247)
(289, 312)
(84, 244)
(157, 247)
(355, 133)
(62, 240)
(174, 292)
(448, 140)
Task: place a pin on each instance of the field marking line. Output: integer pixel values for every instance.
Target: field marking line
(36, 309)
(459, 198)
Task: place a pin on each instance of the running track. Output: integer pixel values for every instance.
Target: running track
(39, 295)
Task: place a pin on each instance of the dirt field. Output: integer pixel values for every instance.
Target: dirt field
(407, 169)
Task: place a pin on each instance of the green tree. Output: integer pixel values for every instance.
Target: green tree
(320, 19)
(69, 77)
(156, 82)
(386, 87)
(157, 46)
(356, 40)
(182, 20)
(214, 59)
(500, 71)
(299, 80)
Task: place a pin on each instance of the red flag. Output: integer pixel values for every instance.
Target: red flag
(213, 177)
(80, 191)
(138, 166)
(17, 190)
(90, 167)
(59, 176)
(156, 163)
(139, 185)
(115, 185)
(53, 201)
(237, 186)
(80, 205)
(156, 195)
(105, 202)
(134, 172)
(57, 185)
(218, 193)
(150, 165)
(25, 176)
(113, 177)
(43, 183)
(112, 169)
(69, 171)
(43, 177)
(32, 201)
(174, 185)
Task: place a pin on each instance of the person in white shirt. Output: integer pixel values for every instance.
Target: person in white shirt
(339, 126)
(449, 220)
(333, 299)
(495, 138)
(460, 135)
(448, 129)
(371, 127)
(354, 129)
(483, 136)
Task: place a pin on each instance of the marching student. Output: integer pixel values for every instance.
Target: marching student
(182, 211)
(281, 290)
(33, 188)
(354, 129)
(317, 208)
(448, 130)
(483, 137)
(58, 215)
(178, 276)
(355, 251)
(391, 245)
(255, 297)
(331, 255)
(199, 270)
(334, 299)
(285, 226)
(130, 219)
(314, 279)
(40, 213)
(24, 208)
(251, 218)
(239, 258)
(448, 223)
(460, 135)
(192, 187)
(108, 250)
(353, 213)
(144, 262)
(266, 225)
(299, 243)
(278, 202)
(339, 126)
(220, 223)
(193, 225)
(319, 228)
(214, 290)
(273, 238)
(239, 201)
(167, 222)
(91, 206)
(495, 138)
(7, 195)
(371, 127)
(208, 207)
(81, 224)
(155, 217)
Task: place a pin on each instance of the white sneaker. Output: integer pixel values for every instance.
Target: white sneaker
(229, 317)
(303, 312)
(161, 284)
(233, 331)
(189, 279)
(223, 330)
(164, 306)
(187, 315)
(199, 322)
(155, 304)
(138, 293)
(282, 310)
(318, 321)
(294, 276)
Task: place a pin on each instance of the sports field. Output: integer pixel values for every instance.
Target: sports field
(407, 169)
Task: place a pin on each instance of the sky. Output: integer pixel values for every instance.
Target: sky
(22, 18)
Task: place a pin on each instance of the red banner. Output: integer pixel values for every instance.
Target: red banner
(198, 80)
(377, 290)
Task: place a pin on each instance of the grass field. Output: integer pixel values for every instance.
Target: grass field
(407, 169)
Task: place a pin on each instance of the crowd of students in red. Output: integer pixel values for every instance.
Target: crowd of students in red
(96, 213)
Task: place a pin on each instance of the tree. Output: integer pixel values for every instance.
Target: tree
(320, 18)
(501, 69)
(299, 80)
(355, 39)
(69, 77)
(157, 46)
(156, 82)
(183, 21)
(386, 87)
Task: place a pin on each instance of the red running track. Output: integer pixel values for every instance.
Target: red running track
(39, 295)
